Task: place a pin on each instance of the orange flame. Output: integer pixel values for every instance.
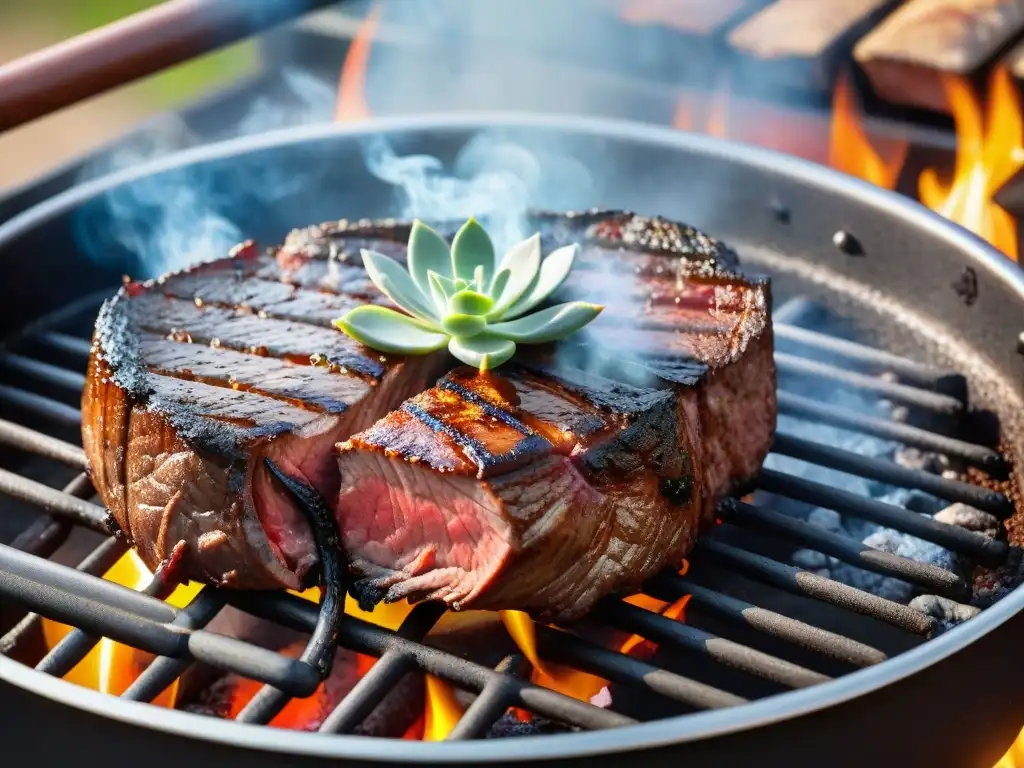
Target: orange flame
(988, 154)
(572, 682)
(443, 710)
(1014, 757)
(111, 667)
(715, 113)
(351, 105)
(849, 148)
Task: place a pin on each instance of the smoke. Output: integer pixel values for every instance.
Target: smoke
(186, 215)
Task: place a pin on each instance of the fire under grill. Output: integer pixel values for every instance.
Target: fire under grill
(786, 628)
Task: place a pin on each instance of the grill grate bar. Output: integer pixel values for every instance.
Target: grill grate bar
(889, 472)
(684, 637)
(53, 410)
(53, 501)
(31, 441)
(490, 705)
(74, 346)
(560, 646)
(164, 670)
(46, 534)
(987, 551)
(668, 586)
(364, 637)
(800, 582)
(366, 694)
(46, 372)
(846, 549)
(922, 375)
(791, 404)
(899, 393)
(77, 643)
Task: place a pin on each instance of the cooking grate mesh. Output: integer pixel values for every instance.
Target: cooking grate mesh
(45, 364)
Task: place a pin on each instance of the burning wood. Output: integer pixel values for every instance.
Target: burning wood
(989, 152)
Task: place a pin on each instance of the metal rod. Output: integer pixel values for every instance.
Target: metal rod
(366, 694)
(40, 444)
(900, 393)
(97, 562)
(984, 549)
(74, 346)
(892, 473)
(809, 584)
(921, 374)
(361, 636)
(164, 670)
(486, 708)
(140, 45)
(617, 667)
(61, 414)
(77, 643)
(663, 630)
(44, 536)
(791, 404)
(53, 501)
(383, 676)
(47, 372)
(671, 586)
(934, 578)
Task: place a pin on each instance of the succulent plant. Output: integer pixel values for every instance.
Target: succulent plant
(461, 297)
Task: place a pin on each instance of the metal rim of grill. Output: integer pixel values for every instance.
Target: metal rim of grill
(495, 695)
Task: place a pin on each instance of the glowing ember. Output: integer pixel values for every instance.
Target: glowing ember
(443, 710)
(351, 105)
(988, 153)
(111, 667)
(849, 148)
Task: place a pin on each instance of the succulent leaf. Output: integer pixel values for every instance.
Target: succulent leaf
(463, 325)
(470, 303)
(386, 330)
(548, 324)
(553, 271)
(438, 292)
(499, 282)
(457, 297)
(523, 262)
(472, 248)
(484, 351)
(395, 283)
(427, 252)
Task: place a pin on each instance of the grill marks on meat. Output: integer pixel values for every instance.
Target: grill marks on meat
(197, 377)
(576, 472)
(542, 489)
(563, 491)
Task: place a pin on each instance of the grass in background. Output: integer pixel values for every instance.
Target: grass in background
(66, 18)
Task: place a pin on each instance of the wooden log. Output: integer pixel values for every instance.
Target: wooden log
(801, 44)
(907, 55)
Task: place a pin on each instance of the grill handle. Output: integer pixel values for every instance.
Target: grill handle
(134, 47)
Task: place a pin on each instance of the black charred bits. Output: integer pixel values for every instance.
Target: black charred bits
(677, 490)
(966, 286)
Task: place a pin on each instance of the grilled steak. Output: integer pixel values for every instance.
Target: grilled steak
(572, 473)
(541, 490)
(546, 489)
(196, 377)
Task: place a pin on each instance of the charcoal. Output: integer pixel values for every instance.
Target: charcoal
(949, 613)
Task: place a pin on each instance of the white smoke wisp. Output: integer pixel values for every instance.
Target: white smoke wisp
(182, 216)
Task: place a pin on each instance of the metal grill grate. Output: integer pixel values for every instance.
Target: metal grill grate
(45, 364)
